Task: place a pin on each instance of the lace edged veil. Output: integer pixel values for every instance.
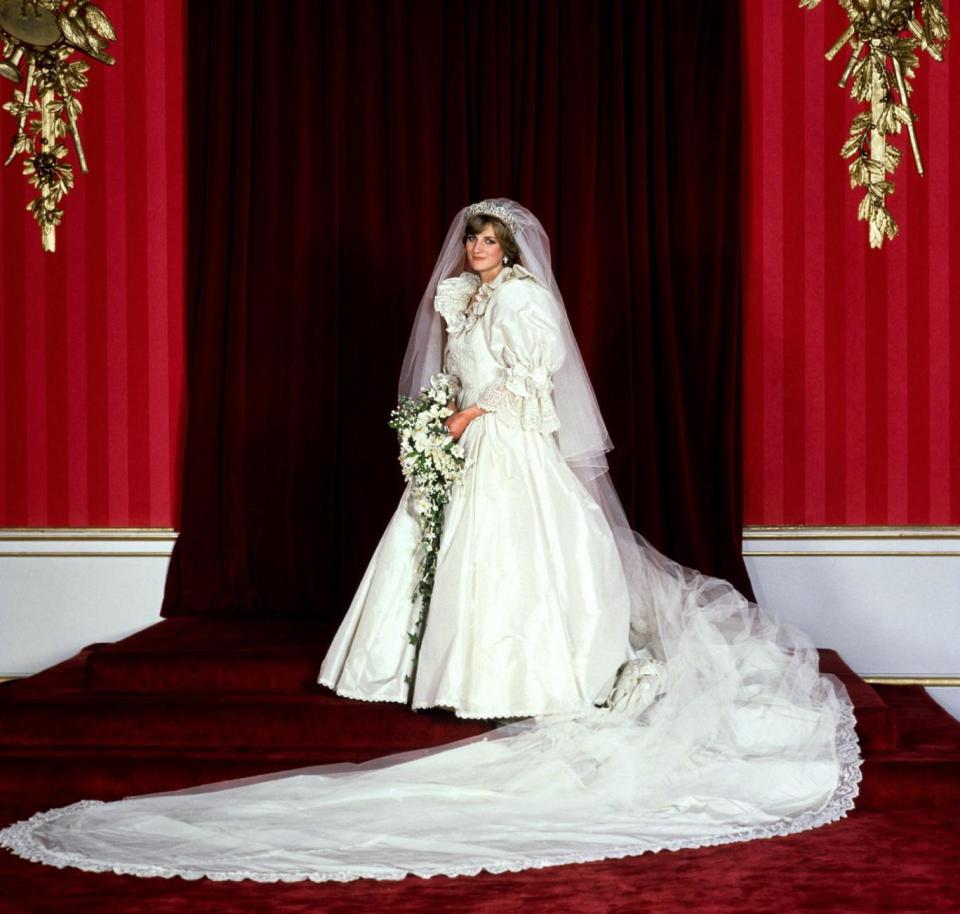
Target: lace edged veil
(719, 729)
(708, 664)
(583, 436)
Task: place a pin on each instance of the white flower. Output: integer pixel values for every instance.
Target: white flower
(431, 462)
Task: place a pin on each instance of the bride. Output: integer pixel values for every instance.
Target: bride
(654, 707)
(531, 608)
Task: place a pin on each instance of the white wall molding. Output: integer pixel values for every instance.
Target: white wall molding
(61, 589)
(886, 598)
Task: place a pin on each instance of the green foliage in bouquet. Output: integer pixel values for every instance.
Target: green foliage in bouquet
(432, 462)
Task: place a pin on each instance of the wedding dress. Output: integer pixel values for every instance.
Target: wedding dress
(661, 709)
(530, 611)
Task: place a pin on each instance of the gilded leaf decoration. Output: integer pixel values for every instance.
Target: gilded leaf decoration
(39, 37)
(884, 38)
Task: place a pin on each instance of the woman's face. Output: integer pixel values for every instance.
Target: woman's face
(483, 250)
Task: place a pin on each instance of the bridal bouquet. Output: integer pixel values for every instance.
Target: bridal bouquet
(432, 461)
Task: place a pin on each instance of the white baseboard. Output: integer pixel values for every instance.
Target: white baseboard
(886, 598)
(61, 589)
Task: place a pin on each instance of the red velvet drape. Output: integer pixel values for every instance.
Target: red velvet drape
(330, 144)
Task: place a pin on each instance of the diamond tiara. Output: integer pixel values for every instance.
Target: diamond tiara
(486, 208)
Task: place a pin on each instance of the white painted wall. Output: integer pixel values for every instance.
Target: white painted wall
(62, 590)
(888, 600)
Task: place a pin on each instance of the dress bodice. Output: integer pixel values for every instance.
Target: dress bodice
(503, 345)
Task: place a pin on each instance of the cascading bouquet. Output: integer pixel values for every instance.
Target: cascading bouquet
(432, 461)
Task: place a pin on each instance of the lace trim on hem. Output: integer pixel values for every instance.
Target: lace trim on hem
(344, 693)
(442, 704)
(19, 838)
(447, 705)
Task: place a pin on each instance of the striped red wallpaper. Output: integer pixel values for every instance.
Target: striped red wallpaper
(852, 372)
(91, 337)
(852, 377)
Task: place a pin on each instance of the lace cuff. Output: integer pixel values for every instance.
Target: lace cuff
(522, 399)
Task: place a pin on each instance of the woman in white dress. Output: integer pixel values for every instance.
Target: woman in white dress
(660, 709)
(530, 611)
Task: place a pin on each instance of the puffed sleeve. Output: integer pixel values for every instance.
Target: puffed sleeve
(527, 342)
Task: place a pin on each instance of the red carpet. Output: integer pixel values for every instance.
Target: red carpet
(189, 701)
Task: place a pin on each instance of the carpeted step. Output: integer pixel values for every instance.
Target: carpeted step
(212, 655)
(42, 777)
(185, 632)
(924, 770)
(314, 709)
(897, 780)
(39, 777)
(284, 655)
(192, 701)
(232, 720)
(237, 678)
(261, 669)
(876, 722)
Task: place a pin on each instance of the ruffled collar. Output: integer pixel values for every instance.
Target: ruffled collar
(483, 295)
(454, 297)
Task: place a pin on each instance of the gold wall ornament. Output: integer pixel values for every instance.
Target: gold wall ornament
(40, 36)
(890, 32)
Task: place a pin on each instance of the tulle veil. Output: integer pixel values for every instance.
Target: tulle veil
(721, 727)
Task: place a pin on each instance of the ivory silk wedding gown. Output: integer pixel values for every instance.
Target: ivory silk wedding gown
(659, 709)
(530, 611)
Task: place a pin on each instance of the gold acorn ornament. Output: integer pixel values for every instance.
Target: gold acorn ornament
(890, 32)
(40, 37)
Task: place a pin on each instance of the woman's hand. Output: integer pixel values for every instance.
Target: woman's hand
(458, 422)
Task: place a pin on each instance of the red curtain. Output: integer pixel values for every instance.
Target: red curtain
(329, 146)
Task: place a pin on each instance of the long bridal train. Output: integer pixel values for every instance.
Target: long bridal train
(719, 726)
(741, 738)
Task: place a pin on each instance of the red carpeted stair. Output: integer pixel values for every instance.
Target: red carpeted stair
(191, 701)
